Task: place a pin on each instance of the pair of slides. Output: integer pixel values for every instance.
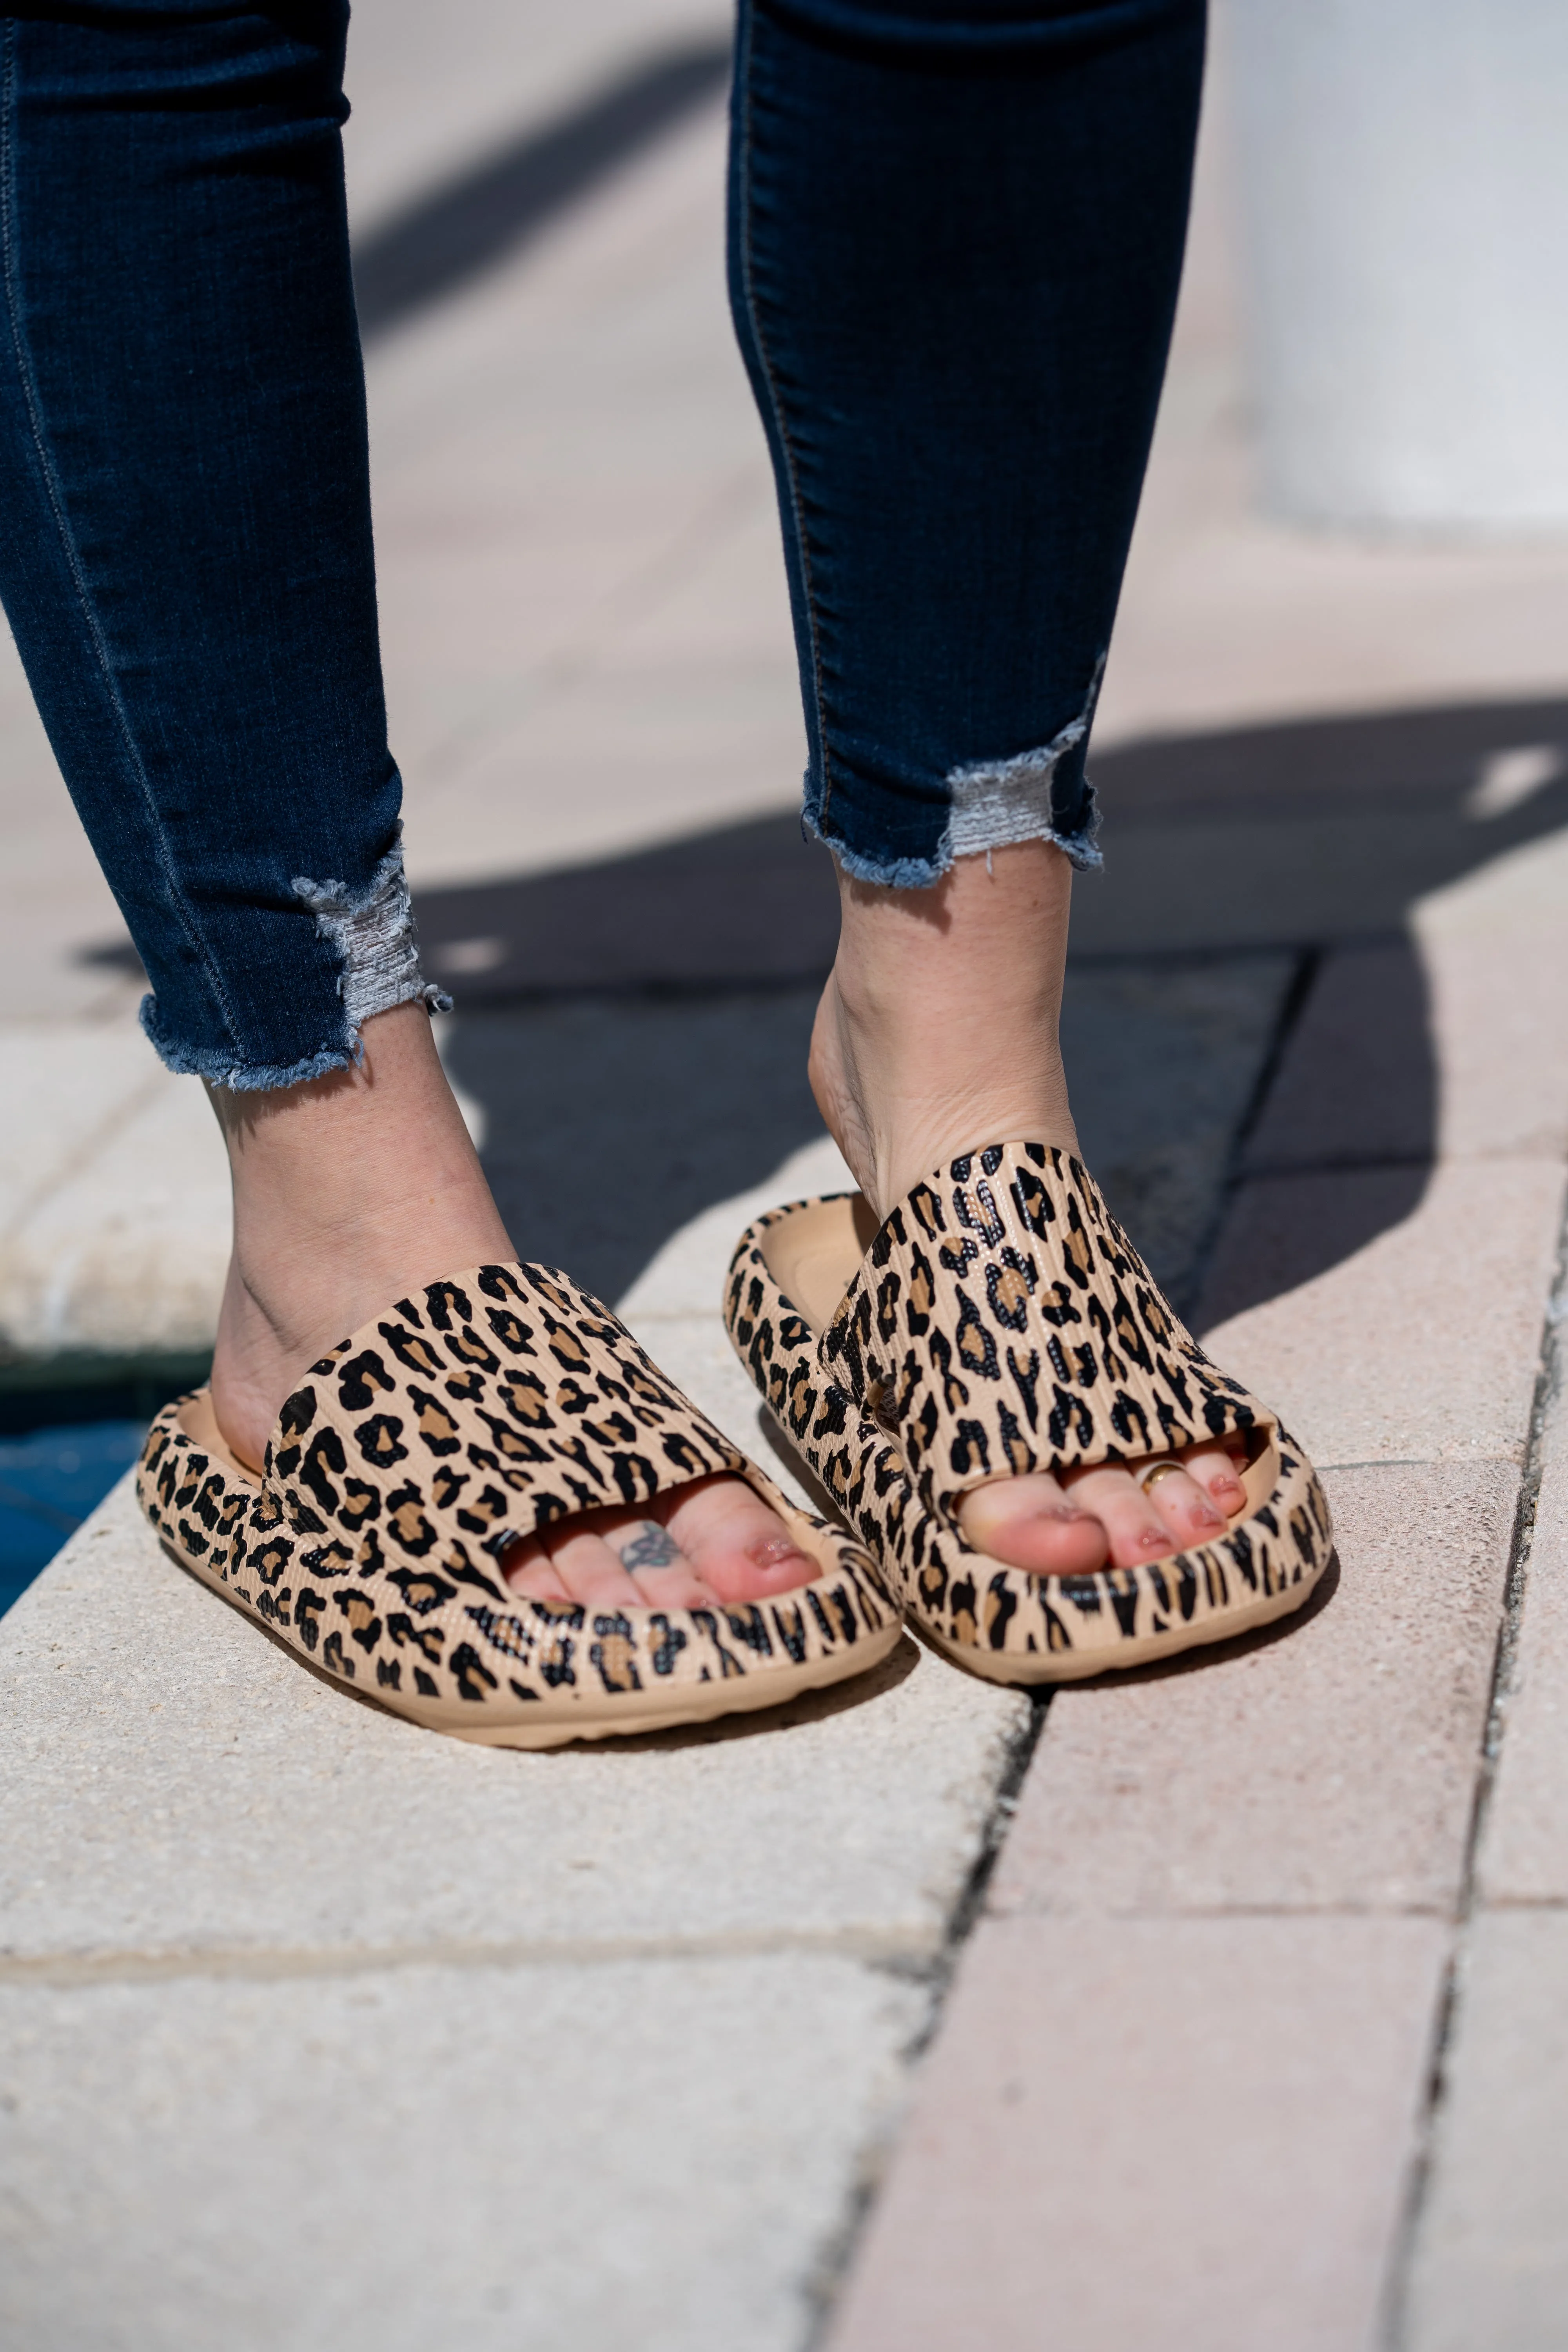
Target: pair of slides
(998, 1322)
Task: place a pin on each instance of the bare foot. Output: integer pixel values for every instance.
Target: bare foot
(357, 1188)
(715, 1540)
(937, 1035)
(1074, 1525)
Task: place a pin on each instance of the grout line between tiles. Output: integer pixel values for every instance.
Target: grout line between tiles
(1548, 1385)
(931, 1956)
(909, 1952)
(1293, 1003)
(831, 2270)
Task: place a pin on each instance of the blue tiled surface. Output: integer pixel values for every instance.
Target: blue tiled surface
(49, 1481)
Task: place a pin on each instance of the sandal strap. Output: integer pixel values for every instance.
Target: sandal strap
(478, 1411)
(1001, 1322)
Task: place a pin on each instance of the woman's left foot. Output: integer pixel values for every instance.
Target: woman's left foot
(993, 1343)
(1089, 1517)
(937, 1034)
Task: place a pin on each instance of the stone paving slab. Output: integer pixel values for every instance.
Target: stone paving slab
(1495, 949)
(1421, 1346)
(201, 1826)
(1223, 2150)
(1523, 1856)
(176, 1788)
(68, 1090)
(125, 1255)
(1192, 2134)
(1492, 2268)
(114, 1209)
(570, 485)
(1490, 2271)
(1328, 1767)
(553, 699)
(424, 107)
(1350, 1091)
(631, 2157)
(115, 1212)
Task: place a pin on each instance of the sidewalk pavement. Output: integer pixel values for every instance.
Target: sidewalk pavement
(1209, 2008)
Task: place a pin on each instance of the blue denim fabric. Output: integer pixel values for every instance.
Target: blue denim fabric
(955, 242)
(184, 513)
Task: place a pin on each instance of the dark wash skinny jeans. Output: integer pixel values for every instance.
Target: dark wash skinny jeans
(955, 238)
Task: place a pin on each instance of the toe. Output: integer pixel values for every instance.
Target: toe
(664, 1575)
(1135, 1529)
(1071, 1527)
(526, 1568)
(739, 1548)
(1031, 1522)
(1185, 1509)
(1216, 1469)
(703, 1545)
(590, 1568)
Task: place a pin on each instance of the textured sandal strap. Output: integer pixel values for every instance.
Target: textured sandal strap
(1001, 1322)
(476, 1411)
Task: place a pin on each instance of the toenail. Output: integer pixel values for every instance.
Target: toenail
(772, 1551)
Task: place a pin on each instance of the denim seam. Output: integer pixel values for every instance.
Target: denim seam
(792, 468)
(9, 242)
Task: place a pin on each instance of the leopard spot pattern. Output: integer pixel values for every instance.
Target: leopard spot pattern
(1001, 1322)
(488, 1405)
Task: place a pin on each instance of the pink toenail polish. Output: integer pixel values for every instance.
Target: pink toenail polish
(772, 1551)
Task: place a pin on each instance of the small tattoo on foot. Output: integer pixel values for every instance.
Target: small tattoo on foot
(651, 1546)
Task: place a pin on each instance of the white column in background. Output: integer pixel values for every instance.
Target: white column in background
(1402, 185)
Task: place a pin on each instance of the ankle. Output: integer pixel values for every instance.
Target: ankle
(348, 1192)
(937, 1032)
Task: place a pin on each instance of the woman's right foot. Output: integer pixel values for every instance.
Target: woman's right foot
(937, 1035)
(354, 1191)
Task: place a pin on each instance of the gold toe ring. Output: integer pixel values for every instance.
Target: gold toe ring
(1155, 1472)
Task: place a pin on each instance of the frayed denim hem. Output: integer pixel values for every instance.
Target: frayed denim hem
(994, 803)
(890, 873)
(998, 802)
(1079, 848)
(219, 1068)
(371, 931)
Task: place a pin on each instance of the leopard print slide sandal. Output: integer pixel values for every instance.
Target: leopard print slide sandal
(998, 1322)
(412, 1456)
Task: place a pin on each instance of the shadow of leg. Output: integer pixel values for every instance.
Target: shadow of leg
(1343, 1149)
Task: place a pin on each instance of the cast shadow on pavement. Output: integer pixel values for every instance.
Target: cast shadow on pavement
(487, 214)
(636, 1030)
